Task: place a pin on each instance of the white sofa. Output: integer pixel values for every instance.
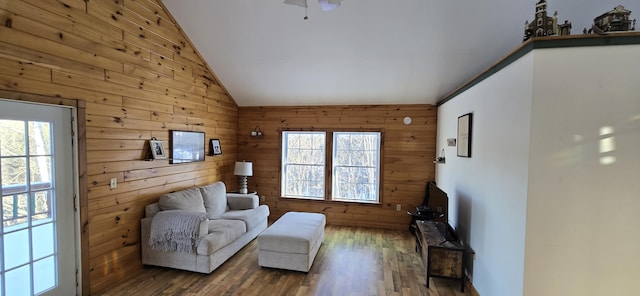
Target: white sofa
(233, 220)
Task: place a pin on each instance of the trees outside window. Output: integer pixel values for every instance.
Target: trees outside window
(26, 166)
(331, 165)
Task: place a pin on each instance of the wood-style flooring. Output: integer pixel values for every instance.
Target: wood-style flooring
(351, 261)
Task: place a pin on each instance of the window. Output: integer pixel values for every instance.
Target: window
(356, 158)
(331, 165)
(303, 164)
(28, 229)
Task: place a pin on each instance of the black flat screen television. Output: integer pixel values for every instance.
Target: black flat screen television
(437, 200)
(435, 192)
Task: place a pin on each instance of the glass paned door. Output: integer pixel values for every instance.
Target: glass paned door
(37, 241)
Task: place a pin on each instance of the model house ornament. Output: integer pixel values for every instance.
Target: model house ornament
(618, 19)
(544, 25)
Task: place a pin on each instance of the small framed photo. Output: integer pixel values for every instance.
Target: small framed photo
(157, 149)
(214, 147)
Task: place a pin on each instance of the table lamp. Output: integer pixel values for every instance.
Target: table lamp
(243, 169)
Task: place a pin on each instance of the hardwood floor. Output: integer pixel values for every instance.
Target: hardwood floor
(351, 261)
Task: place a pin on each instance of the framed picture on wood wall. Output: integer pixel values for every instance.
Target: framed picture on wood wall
(464, 135)
(187, 146)
(214, 147)
(157, 149)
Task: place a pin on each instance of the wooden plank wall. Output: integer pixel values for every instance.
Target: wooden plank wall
(139, 77)
(409, 151)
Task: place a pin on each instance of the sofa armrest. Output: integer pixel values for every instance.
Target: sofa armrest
(204, 228)
(237, 201)
(151, 210)
(153, 257)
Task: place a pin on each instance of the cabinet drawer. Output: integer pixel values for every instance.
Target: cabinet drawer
(444, 262)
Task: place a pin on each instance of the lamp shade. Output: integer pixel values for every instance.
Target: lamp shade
(243, 168)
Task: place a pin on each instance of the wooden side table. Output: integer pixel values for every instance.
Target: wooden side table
(418, 215)
(441, 257)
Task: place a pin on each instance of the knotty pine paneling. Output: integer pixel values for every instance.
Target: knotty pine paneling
(139, 77)
(409, 151)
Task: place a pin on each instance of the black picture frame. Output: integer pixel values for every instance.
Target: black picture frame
(214, 147)
(187, 146)
(464, 135)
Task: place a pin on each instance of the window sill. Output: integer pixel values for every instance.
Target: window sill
(322, 200)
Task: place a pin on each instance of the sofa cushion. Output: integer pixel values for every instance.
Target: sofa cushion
(221, 233)
(215, 198)
(251, 217)
(187, 200)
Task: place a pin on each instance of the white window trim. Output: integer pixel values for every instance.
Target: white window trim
(328, 166)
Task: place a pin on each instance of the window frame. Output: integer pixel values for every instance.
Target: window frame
(282, 167)
(328, 169)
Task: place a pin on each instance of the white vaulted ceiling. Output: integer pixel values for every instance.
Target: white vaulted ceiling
(365, 51)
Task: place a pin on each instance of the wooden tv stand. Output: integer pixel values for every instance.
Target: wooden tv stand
(442, 254)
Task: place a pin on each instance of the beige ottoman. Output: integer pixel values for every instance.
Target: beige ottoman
(291, 242)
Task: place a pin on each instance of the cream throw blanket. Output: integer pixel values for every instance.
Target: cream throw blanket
(176, 230)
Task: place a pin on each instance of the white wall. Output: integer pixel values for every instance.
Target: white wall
(583, 209)
(487, 192)
(547, 202)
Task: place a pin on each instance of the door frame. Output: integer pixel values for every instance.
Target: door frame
(81, 136)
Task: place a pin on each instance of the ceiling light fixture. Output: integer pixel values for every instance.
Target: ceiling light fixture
(326, 5)
(329, 4)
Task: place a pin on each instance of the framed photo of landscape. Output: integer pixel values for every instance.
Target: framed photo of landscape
(464, 135)
(187, 146)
